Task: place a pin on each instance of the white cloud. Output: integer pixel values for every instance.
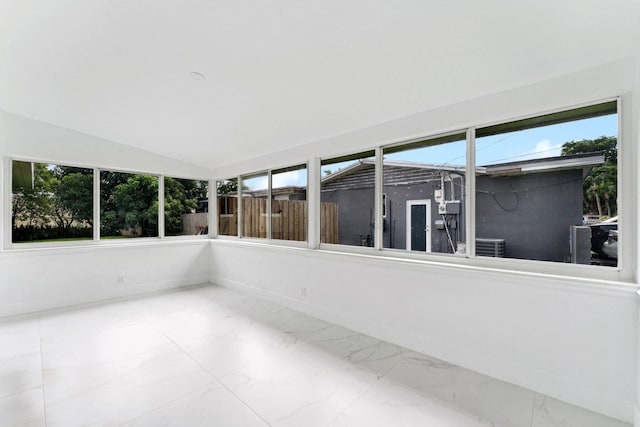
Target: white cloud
(545, 148)
(286, 179)
(542, 149)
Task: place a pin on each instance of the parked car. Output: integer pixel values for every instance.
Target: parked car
(600, 235)
(610, 247)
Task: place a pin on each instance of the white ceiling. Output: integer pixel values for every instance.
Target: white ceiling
(281, 73)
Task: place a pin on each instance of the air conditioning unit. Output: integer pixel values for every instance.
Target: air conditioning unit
(490, 247)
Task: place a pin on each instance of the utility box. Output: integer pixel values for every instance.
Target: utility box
(580, 243)
(453, 207)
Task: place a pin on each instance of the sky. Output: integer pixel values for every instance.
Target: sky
(296, 178)
(540, 142)
(545, 141)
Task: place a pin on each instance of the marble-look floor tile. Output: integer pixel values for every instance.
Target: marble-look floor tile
(24, 409)
(87, 320)
(20, 373)
(492, 400)
(21, 398)
(305, 385)
(161, 304)
(120, 391)
(395, 404)
(212, 356)
(101, 347)
(212, 405)
(223, 344)
(19, 336)
(550, 412)
(114, 375)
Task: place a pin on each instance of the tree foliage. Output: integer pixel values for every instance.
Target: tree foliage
(58, 203)
(73, 192)
(136, 204)
(33, 205)
(181, 196)
(227, 186)
(600, 187)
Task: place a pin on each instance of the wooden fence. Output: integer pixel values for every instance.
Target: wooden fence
(288, 220)
(329, 223)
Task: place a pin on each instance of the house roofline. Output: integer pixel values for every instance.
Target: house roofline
(571, 161)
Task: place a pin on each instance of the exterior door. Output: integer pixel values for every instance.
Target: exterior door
(419, 225)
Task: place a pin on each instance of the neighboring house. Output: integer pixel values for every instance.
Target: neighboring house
(530, 205)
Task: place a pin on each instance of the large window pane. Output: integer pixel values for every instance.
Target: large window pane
(185, 207)
(128, 205)
(543, 187)
(424, 199)
(289, 204)
(347, 200)
(51, 202)
(227, 200)
(254, 205)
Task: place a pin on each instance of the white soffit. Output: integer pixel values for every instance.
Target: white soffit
(216, 82)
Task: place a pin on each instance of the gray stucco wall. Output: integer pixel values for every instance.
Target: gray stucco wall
(532, 212)
(355, 214)
(395, 221)
(354, 195)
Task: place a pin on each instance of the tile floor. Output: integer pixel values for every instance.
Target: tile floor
(209, 356)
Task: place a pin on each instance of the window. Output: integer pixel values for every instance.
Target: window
(227, 200)
(424, 184)
(185, 207)
(51, 202)
(254, 205)
(55, 202)
(289, 203)
(347, 200)
(128, 205)
(544, 185)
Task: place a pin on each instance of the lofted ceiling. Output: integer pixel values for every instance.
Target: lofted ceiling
(213, 82)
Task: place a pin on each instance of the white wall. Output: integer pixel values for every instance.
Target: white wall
(40, 279)
(636, 133)
(31, 139)
(35, 280)
(567, 337)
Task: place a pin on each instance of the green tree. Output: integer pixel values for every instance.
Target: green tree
(33, 204)
(181, 197)
(227, 186)
(600, 192)
(110, 222)
(136, 204)
(74, 193)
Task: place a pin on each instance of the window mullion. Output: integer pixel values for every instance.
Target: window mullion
(314, 206)
(212, 203)
(96, 204)
(378, 227)
(161, 230)
(269, 192)
(240, 208)
(470, 189)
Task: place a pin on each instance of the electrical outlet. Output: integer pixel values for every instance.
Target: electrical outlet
(121, 279)
(303, 292)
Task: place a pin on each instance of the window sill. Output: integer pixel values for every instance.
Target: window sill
(571, 276)
(59, 247)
